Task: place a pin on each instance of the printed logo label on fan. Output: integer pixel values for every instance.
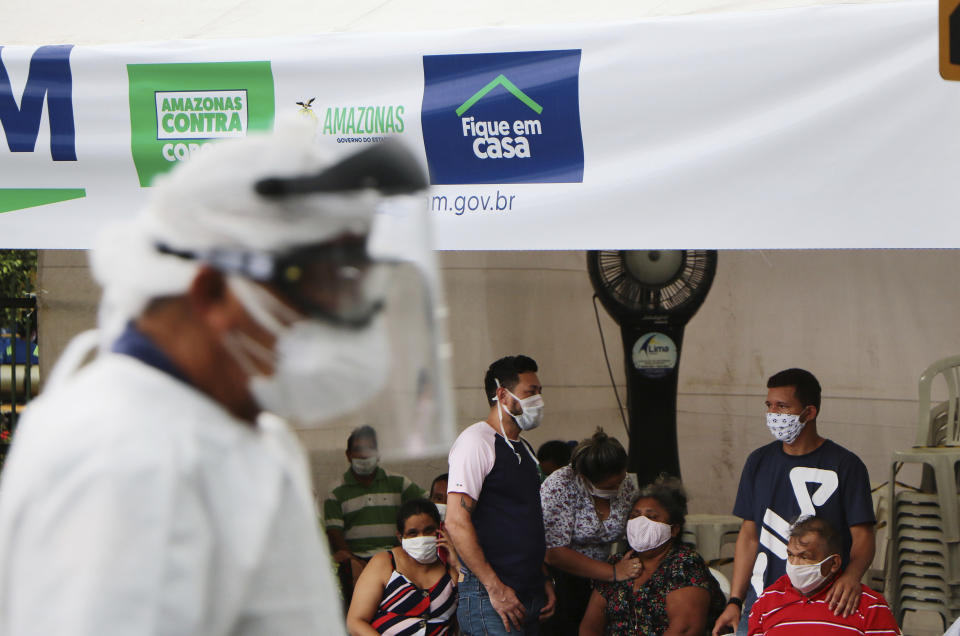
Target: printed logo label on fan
(654, 354)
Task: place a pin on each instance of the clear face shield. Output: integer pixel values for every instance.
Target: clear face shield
(407, 393)
(412, 411)
(360, 332)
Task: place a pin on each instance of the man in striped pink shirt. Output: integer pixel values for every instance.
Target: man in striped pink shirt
(795, 604)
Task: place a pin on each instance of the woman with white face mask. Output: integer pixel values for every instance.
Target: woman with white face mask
(390, 594)
(585, 508)
(674, 592)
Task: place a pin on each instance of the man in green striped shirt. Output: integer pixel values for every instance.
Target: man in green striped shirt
(360, 513)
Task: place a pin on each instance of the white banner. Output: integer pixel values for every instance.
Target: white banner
(815, 127)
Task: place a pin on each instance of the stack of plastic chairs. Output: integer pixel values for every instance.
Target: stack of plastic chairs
(926, 557)
(923, 540)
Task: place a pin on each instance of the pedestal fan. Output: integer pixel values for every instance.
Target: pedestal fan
(652, 294)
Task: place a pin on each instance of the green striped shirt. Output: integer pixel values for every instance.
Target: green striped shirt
(368, 514)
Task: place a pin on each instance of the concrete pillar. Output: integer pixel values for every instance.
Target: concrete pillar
(67, 300)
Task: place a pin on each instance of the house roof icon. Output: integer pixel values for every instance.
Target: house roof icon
(499, 80)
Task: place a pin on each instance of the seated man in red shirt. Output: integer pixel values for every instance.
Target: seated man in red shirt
(795, 604)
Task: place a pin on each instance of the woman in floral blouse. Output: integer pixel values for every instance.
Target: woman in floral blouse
(585, 507)
(674, 593)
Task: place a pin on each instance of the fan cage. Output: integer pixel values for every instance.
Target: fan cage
(635, 296)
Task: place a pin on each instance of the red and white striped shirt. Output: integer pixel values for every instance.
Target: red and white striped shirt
(783, 611)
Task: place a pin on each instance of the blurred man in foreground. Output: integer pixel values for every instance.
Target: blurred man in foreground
(149, 492)
(796, 603)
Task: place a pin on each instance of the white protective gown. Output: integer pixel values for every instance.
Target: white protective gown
(131, 504)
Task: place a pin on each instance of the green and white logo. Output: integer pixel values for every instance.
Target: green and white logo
(177, 108)
(201, 114)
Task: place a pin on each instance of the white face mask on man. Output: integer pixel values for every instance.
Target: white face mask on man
(532, 410)
(786, 427)
(320, 371)
(807, 577)
(364, 466)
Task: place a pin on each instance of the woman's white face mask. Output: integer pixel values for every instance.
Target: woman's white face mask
(600, 493)
(320, 371)
(645, 534)
(422, 549)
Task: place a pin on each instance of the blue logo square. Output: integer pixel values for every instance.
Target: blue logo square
(503, 117)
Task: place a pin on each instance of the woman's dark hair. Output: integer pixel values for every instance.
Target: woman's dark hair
(416, 507)
(599, 457)
(669, 493)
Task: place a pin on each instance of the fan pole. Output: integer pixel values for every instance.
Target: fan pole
(652, 403)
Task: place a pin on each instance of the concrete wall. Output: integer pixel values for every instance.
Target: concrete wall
(865, 322)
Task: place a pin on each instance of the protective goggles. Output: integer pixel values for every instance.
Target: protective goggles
(336, 281)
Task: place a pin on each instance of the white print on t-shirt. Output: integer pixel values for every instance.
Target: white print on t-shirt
(799, 478)
(780, 526)
(759, 569)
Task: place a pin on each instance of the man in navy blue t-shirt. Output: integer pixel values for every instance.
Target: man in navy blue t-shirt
(798, 474)
(494, 514)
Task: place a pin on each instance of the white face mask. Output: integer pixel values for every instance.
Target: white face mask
(532, 414)
(320, 371)
(645, 534)
(442, 509)
(785, 426)
(807, 578)
(599, 492)
(422, 549)
(364, 466)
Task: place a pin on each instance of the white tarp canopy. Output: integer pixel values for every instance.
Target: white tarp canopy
(113, 21)
(823, 126)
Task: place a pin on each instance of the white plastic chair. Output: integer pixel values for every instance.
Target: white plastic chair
(722, 581)
(939, 424)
